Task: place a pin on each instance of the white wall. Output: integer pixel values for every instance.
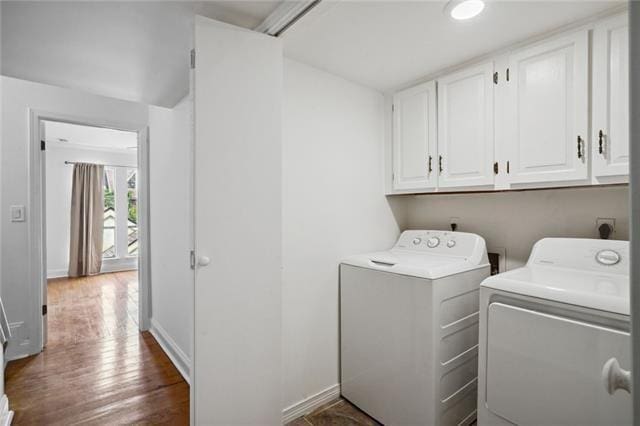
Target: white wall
(59, 180)
(171, 159)
(516, 220)
(17, 97)
(333, 207)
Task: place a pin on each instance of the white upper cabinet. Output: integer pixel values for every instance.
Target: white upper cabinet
(610, 101)
(548, 111)
(465, 128)
(414, 138)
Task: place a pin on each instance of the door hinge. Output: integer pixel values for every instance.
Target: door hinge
(495, 167)
(43, 145)
(507, 76)
(44, 309)
(192, 259)
(193, 59)
(508, 168)
(495, 77)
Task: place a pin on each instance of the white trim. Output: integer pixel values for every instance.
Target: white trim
(173, 351)
(36, 214)
(6, 415)
(57, 273)
(283, 16)
(309, 404)
(106, 269)
(144, 240)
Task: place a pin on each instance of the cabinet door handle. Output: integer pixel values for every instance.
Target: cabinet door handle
(429, 167)
(440, 163)
(600, 142)
(580, 154)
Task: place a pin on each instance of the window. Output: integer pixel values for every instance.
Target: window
(109, 232)
(132, 217)
(120, 235)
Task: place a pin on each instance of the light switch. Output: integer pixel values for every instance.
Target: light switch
(17, 214)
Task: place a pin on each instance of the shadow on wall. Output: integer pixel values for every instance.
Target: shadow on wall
(514, 221)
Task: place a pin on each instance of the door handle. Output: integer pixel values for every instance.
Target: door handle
(203, 260)
(600, 142)
(614, 377)
(580, 147)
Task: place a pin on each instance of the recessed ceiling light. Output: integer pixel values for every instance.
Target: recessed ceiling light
(461, 10)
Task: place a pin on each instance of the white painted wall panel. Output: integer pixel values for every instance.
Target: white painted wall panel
(171, 159)
(333, 207)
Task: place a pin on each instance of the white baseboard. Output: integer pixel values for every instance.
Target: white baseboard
(106, 269)
(309, 404)
(57, 273)
(6, 415)
(173, 351)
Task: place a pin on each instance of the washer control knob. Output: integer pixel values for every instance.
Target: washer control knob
(433, 242)
(417, 241)
(451, 243)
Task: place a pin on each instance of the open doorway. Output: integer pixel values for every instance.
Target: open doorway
(91, 233)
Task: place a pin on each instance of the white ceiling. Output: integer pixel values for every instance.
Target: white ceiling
(79, 136)
(133, 50)
(387, 44)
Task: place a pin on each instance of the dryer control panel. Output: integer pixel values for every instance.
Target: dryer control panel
(447, 243)
(585, 254)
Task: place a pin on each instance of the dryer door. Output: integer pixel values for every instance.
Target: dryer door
(544, 369)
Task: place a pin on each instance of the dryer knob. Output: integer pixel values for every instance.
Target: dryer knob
(433, 242)
(451, 243)
(417, 241)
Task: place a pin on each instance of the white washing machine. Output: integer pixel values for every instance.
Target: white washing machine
(409, 328)
(554, 337)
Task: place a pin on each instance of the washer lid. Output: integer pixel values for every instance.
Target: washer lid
(603, 291)
(412, 263)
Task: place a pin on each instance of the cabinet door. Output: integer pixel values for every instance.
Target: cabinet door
(549, 111)
(465, 127)
(414, 137)
(610, 132)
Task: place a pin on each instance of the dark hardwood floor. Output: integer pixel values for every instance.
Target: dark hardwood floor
(97, 368)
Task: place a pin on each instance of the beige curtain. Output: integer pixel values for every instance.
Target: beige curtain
(87, 219)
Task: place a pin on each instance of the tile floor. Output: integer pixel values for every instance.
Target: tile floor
(340, 412)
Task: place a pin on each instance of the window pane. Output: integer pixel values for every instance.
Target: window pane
(109, 233)
(132, 219)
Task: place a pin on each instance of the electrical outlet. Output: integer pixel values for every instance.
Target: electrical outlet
(602, 220)
(502, 259)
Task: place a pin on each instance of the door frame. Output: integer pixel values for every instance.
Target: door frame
(36, 217)
(634, 195)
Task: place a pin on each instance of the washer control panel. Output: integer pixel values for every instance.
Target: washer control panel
(442, 242)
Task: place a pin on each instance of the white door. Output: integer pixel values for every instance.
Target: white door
(465, 127)
(237, 342)
(414, 137)
(610, 104)
(549, 111)
(548, 370)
